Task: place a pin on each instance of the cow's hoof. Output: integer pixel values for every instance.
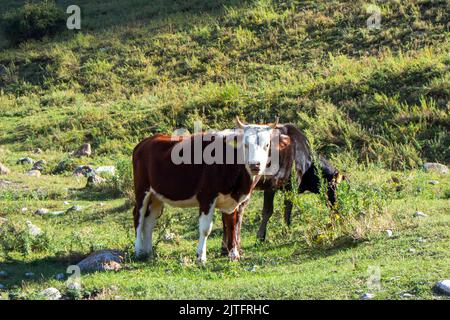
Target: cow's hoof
(234, 255)
(201, 260)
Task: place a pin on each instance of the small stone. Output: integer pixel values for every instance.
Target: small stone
(42, 211)
(443, 287)
(389, 233)
(33, 173)
(74, 286)
(106, 169)
(169, 236)
(29, 274)
(3, 169)
(74, 208)
(60, 276)
(407, 295)
(102, 260)
(367, 296)
(25, 160)
(412, 250)
(51, 294)
(3, 274)
(32, 229)
(66, 203)
(24, 209)
(39, 165)
(84, 150)
(436, 167)
(421, 240)
(433, 182)
(420, 214)
(94, 180)
(83, 171)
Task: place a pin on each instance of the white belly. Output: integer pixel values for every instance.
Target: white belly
(227, 204)
(187, 203)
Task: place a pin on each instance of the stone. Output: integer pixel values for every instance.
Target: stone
(51, 294)
(83, 171)
(25, 160)
(24, 209)
(32, 229)
(443, 287)
(367, 296)
(433, 182)
(106, 169)
(33, 173)
(84, 150)
(41, 211)
(169, 236)
(74, 208)
(39, 165)
(420, 214)
(435, 167)
(94, 180)
(4, 169)
(60, 276)
(66, 203)
(103, 260)
(389, 233)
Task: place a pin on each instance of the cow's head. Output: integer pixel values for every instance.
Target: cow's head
(256, 142)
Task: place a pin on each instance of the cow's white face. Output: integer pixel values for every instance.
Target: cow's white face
(256, 142)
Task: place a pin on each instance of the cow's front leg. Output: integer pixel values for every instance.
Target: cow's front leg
(225, 241)
(231, 228)
(205, 226)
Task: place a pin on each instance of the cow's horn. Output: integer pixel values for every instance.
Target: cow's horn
(274, 125)
(239, 122)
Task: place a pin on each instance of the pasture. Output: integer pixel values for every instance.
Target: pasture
(374, 102)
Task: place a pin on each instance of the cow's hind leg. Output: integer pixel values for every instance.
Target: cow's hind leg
(205, 226)
(232, 229)
(267, 213)
(140, 212)
(154, 211)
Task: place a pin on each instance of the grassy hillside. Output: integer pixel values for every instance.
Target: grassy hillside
(376, 102)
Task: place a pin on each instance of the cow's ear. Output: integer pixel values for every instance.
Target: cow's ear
(285, 141)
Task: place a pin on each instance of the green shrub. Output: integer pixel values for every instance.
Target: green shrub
(33, 21)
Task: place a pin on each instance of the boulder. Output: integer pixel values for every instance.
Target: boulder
(33, 173)
(84, 150)
(25, 160)
(94, 180)
(443, 287)
(3, 169)
(103, 260)
(32, 229)
(39, 165)
(51, 294)
(84, 171)
(435, 167)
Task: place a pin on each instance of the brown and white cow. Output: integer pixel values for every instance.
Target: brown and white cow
(294, 152)
(222, 184)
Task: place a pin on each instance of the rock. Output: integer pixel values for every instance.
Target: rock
(60, 276)
(367, 296)
(56, 213)
(407, 295)
(74, 208)
(25, 160)
(102, 260)
(32, 229)
(24, 209)
(412, 250)
(74, 286)
(51, 294)
(3, 274)
(41, 211)
(436, 167)
(389, 233)
(420, 214)
(94, 180)
(29, 274)
(33, 173)
(169, 236)
(84, 171)
(66, 203)
(433, 182)
(39, 165)
(106, 169)
(443, 287)
(84, 150)
(3, 220)
(3, 169)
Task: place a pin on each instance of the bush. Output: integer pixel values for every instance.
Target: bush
(33, 21)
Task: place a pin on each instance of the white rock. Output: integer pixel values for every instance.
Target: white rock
(66, 203)
(433, 182)
(436, 167)
(443, 287)
(3, 169)
(74, 286)
(169, 236)
(412, 250)
(420, 214)
(74, 208)
(102, 260)
(33, 173)
(41, 211)
(106, 169)
(367, 296)
(389, 233)
(407, 295)
(51, 294)
(32, 229)
(24, 210)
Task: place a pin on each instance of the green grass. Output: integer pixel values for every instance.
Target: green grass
(375, 102)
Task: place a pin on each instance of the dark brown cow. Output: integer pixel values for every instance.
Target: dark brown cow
(159, 179)
(297, 153)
